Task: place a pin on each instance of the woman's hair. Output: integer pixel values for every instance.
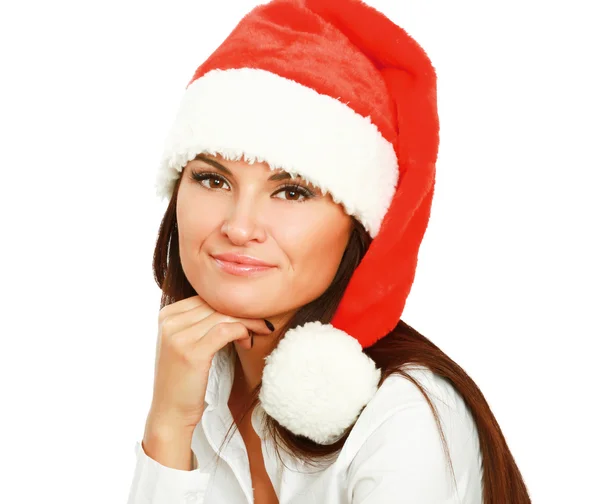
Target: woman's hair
(502, 481)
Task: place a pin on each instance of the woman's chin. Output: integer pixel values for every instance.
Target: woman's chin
(242, 307)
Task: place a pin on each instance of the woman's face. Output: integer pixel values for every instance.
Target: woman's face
(248, 209)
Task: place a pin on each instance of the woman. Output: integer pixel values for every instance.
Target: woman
(300, 171)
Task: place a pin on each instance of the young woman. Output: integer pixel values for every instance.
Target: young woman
(300, 171)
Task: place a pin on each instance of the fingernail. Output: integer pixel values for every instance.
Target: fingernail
(269, 325)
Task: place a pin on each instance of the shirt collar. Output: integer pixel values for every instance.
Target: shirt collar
(220, 382)
(220, 377)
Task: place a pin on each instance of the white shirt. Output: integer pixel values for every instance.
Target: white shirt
(394, 453)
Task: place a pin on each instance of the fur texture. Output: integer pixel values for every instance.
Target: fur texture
(317, 381)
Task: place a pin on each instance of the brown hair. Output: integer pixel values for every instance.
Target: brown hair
(502, 481)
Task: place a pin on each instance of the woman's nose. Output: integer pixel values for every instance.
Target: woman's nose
(243, 225)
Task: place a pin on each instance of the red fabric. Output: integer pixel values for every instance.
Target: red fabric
(351, 52)
(290, 40)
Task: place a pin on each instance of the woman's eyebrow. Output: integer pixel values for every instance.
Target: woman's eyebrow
(201, 157)
(212, 162)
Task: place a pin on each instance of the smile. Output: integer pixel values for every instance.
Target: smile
(238, 269)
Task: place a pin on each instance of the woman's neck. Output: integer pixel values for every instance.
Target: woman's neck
(250, 363)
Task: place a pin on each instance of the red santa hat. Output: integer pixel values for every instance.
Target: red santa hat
(335, 92)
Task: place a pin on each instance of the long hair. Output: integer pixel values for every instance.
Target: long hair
(502, 481)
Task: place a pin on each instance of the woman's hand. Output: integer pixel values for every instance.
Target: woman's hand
(189, 334)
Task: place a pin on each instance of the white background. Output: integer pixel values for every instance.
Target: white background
(508, 278)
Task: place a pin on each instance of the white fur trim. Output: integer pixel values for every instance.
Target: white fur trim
(316, 382)
(260, 116)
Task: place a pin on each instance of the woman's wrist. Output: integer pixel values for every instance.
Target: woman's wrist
(169, 444)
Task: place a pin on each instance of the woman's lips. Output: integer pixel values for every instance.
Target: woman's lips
(240, 269)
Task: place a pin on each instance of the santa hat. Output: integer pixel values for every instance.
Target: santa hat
(335, 92)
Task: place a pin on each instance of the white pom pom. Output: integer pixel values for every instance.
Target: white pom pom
(316, 382)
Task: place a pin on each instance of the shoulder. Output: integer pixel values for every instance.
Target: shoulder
(399, 412)
(395, 447)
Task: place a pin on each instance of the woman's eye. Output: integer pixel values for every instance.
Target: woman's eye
(295, 193)
(209, 180)
(213, 182)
